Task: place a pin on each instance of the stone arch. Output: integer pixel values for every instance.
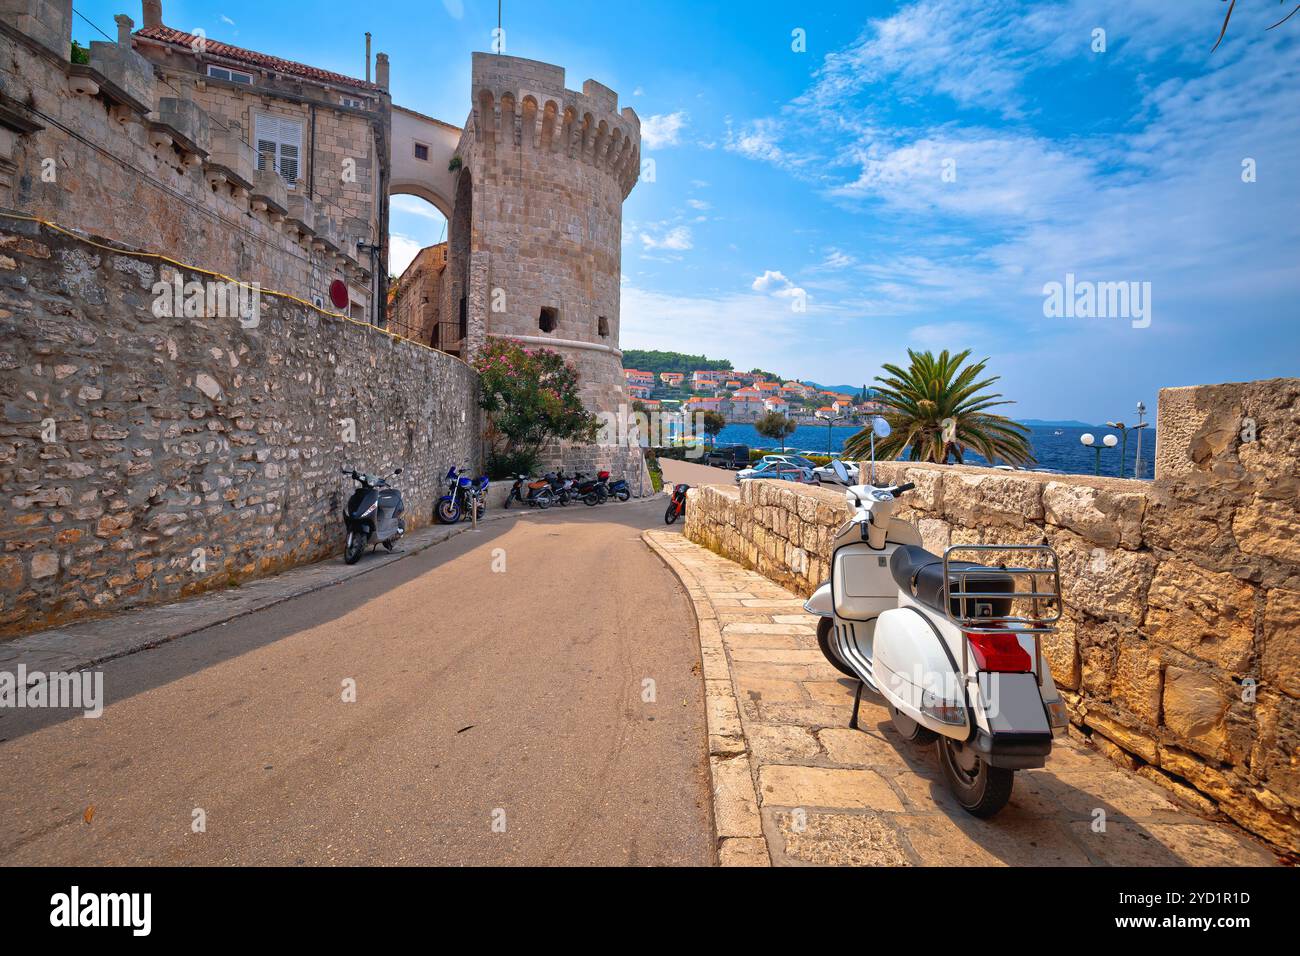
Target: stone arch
(422, 151)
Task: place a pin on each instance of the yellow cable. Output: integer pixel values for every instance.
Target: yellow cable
(207, 272)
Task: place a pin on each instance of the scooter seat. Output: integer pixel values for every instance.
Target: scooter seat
(920, 574)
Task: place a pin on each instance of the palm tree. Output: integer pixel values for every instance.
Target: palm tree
(937, 411)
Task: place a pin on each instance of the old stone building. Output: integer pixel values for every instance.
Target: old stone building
(280, 173)
(414, 302)
(249, 165)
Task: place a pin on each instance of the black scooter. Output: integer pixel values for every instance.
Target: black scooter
(373, 515)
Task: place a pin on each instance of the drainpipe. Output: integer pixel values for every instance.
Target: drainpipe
(367, 56)
(311, 157)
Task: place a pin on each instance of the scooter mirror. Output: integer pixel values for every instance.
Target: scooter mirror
(841, 473)
(880, 427)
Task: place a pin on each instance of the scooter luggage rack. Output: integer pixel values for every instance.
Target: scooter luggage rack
(1037, 624)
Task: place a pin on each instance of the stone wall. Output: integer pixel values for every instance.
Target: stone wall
(132, 446)
(1179, 653)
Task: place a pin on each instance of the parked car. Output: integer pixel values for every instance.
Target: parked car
(791, 459)
(779, 470)
(827, 473)
(728, 456)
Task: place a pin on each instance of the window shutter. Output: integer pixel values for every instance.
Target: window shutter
(279, 141)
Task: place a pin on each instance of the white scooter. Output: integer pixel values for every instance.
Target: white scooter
(938, 640)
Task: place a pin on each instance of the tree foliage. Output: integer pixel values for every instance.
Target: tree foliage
(937, 411)
(776, 426)
(531, 396)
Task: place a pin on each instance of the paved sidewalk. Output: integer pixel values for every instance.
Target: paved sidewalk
(793, 785)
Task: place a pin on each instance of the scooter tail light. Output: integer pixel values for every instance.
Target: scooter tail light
(999, 651)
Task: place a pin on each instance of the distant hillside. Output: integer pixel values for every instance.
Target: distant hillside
(842, 389)
(1044, 424)
(655, 361)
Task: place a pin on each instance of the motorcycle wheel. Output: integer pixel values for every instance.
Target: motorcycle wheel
(623, 494)
(981, 790)
(671, 515)
(825, 627)
(355, 547)
(388, 546)
(544, 501)
(590, 499)
(448, 511)
(506, 503)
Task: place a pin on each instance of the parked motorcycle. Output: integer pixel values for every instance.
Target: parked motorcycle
(953, 647)
(592, 491)
(373, 515)
(537, 493)
(618, 488)
(465, 496)
(676, 504)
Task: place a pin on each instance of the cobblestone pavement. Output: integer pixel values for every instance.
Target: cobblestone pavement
(793, 785)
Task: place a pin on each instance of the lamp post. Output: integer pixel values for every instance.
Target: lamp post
(1089, 441)
(1137, 465)
(1123, 448)
(830, 419)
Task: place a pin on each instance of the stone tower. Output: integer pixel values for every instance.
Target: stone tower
(536, 229)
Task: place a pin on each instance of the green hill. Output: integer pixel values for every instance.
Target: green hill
(655, 361)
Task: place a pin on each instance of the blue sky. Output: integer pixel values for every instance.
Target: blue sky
(818, 177)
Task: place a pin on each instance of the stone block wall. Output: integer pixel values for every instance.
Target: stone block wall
(1179, 653)
(144, 459)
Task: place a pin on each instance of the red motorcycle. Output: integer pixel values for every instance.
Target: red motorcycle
(677, 505)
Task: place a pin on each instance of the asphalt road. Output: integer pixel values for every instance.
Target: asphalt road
(500, 718)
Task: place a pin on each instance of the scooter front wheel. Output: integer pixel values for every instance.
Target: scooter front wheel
(671, 514)
(355, 547)
(825, 628)
(981, 789)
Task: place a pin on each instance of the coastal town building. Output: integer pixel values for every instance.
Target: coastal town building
(414, 301)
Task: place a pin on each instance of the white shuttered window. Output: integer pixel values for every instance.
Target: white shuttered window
(279, 144)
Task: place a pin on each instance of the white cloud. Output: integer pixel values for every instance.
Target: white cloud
(676, 239)
(699, 204)
(662, 129)
(226, 19)
(777, 284)
(402, 250)
(638, 92)
(455, 8)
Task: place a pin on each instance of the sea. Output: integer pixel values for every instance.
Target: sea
(1057, 448)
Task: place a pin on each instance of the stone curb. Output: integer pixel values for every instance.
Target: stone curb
(737, 826)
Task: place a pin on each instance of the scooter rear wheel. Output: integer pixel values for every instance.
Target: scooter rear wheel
(825, 628)
(981, 789)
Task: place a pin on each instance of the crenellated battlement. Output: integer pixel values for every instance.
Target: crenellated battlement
(524, 103)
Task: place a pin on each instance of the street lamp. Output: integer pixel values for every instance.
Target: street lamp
(1110, 441)
(831, 419)
(1137, 465)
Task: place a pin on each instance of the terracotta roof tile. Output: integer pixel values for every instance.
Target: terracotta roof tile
(239, 54)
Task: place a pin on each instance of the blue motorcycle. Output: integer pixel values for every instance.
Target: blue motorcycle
(465, 496)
